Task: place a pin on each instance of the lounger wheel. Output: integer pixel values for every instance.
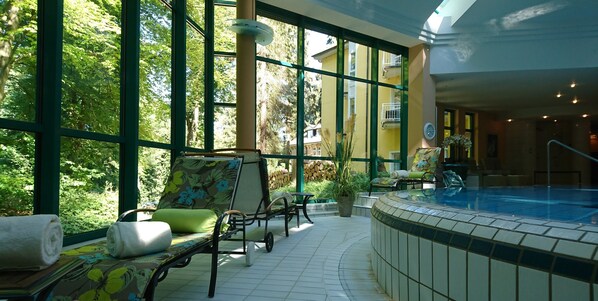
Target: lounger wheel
(269, 241)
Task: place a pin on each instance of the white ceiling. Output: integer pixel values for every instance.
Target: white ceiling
(521, 93)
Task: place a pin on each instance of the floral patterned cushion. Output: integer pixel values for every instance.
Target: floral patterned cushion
(201, 183)
(426, 159)
(103, 277)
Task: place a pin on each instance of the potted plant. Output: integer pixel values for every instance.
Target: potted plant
(344, 188)
(458, 144)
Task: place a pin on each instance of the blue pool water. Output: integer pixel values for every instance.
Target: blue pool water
(556, 204)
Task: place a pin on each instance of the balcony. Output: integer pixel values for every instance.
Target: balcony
(390, 115)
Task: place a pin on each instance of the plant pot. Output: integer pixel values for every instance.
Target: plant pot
(345, 205)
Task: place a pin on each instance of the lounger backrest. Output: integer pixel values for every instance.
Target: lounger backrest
(426, 159)
(201, 182)
(252, 196)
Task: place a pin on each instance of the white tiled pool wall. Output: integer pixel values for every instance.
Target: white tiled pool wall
(429, 252)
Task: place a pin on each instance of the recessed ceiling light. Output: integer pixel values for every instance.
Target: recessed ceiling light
(558, 95)
(555, 120)
(585, 115)
(509, 120)
(573, 84)
(574, 101)
(545, 116)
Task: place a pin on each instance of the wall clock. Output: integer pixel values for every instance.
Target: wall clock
(429, 131)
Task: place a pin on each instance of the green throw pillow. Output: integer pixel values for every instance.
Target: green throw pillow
(187, 220)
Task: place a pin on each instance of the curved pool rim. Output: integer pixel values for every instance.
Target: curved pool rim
(421, 249)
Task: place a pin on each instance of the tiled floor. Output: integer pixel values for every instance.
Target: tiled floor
(328, 260)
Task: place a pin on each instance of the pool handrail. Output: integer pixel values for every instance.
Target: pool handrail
(567, 147)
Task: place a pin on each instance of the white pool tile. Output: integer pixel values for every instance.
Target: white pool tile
(463, 217)
(539, 242)
(509, 236)
(481, 220)
(532, 221)
(403, 287)
(413, 290)
(394, 242)
(590, 237)
(477, 277)
(413, 255)
(576, 249)
(500, 223)
(440, 268)
(403, 254)
(465, 228)
(484, 232)
(425, 262)
(457, 274)
(533, 285)
(439, 297)
(425, 293)
(432, 220)
(503, 280)
(566, 289)
(535, 229)
(447, 224)
(564, 233)
(562, 225)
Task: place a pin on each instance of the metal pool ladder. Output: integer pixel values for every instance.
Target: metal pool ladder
(567, 147)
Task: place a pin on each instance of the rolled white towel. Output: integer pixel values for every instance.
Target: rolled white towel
(30, 242)
(128, 239)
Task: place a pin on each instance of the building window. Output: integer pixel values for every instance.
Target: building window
(449, 129)
(470, 133)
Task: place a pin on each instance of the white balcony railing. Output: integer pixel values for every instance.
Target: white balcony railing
(390, 115)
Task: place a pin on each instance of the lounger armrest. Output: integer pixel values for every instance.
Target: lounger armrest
(429, 176)
(280, 199)
(127, 213)
(218, 226)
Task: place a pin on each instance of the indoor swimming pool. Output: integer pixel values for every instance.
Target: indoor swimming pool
(492, 244)
(574, 205)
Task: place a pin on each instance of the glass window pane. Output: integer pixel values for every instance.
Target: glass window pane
(225, 77)
(91, 66)
(224, 39)
(357, 60)
(154, 168)
(320, 51)
(281, 174)
(196, 11)
(312, 106)
(19, 42)
(389, 130)
(284, 44)
(155, 72)
(17, 155)
(390, 68)
(359, 105)
(328, 112)
(319, 176)
(89, 173)
(276, 108)
(195, 89)
(225, 127)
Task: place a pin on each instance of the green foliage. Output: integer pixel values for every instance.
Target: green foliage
(342, 154)
(16, 174)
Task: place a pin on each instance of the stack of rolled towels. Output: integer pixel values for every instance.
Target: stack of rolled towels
(129, 239)
(30, 242)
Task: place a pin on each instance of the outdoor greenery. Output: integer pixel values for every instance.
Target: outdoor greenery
(341, 150)
(91, 96)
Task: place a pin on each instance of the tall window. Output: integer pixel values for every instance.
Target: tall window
(470, 133)
(449, 129)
